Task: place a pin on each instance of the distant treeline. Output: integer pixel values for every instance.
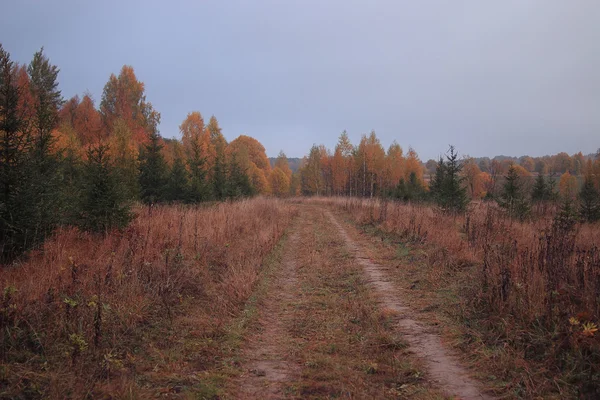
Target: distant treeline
(294, 163)
(546, 165)
(451, 182)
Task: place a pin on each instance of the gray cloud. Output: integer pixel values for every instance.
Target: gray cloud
(509, 77)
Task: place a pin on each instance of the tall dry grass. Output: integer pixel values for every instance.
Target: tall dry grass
(75, 313)
(533, 286)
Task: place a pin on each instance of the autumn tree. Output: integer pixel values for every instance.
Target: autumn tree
(192, 130)
(561, 163)
(258, 179)
(124, 97)
(216, 136)
(219, 170)
(413, 165)
(68, 111)
(282, 163)
(311, 172)
(125, 157)
(254, 151)
(370, 159)
(341, 166)
(296, 184)
(326, 173)
(252, 158)
(339, 178)
(496, 170)
(578, 163)
(528, 163)
(568, 185)
(87, 122)
(346, 150)
(482, 181)
(471, 172)
(196, 145)
(280, 183)
(394, 165)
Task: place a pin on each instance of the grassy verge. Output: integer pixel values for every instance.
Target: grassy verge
(139, 313)
(232, 342)
(442, 297)
(347, 345)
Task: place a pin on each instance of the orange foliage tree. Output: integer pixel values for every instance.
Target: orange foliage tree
(568, 185)
(252, 158)
(413, 165)
(394, 165)
(282, 163)
(124, 97)
(280, 182)
(370, 160)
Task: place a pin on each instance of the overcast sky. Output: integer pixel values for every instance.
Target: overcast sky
(506, 77)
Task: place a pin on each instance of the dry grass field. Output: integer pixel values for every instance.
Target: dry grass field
(135, 312)
(305, 298)
(520, 299)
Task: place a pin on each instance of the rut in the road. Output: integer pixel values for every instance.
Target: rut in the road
(443, 369)
(268, 368)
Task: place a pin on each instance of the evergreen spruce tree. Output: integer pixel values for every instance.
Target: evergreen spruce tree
(43, 194)
(199, 190)
(415, 190)
(447, 189)
(238, 184)
(72, 175)
(400, 190)
(103, 205)
(14, 148)
(454, 192)
(541, 190)
(566, 218)
(552, 192)
(409, 191)
(437, 182)
(589, 201)
(513, 197)
(219, 180)
(153, 171)
(178, 182)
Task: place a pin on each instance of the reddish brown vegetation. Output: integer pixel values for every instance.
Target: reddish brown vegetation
(532, 289)
(80, 315)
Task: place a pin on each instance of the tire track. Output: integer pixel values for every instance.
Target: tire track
(267, 367)
(444, 369)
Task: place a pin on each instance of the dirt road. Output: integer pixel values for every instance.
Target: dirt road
(332, 324)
